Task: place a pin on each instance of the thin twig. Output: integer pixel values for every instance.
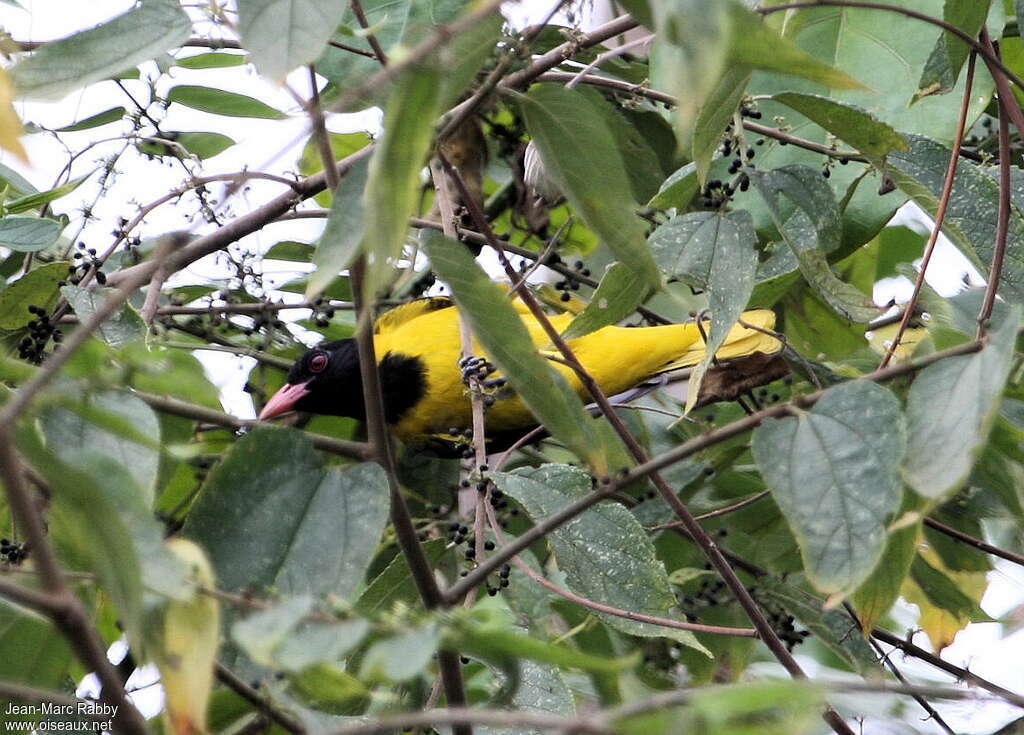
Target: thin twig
(1008, 108)
(716, 513)
(357, 10)
(888, 663)
(959, 672)
(249, 223)
(231, 680)
(266, 358)
(977, 543)
(176, 407)
(453, 120)
(610, 54)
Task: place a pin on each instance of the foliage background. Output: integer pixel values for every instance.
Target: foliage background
(109, 206)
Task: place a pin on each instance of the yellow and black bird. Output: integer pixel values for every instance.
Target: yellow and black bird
(418, 351)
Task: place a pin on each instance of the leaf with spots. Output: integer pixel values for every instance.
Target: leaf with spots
(618, 294)
(812, 232)
(604, 552)
(834, 472)
(950, 410)
(973, 207)
(715, 252)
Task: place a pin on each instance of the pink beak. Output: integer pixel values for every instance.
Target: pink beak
(284, 400)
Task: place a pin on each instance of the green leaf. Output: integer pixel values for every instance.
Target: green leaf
(260, 633)
(637, 135)
(813, 328)
(317, 642)
(94, 121)
(93, 530)
(338, 245)
(812, 232)
(500, 330)
(201, 145)
(284, 34)
(71, 63)
(28, 234)
(689, 54)
(395, 584)
(605, 553)
(70, 431)
(678, 189)
(124, 327)
(618, 294)
(211, 60)
(492, 642)
(541, 689)
(885, 50)
(291, 250)
(392, 188)
(950, 410)
(755, 708)
(342, 146)
(401, 657)
(284, 638)
(464, 55)
(38, 199)
(834, 472)
(581, 156)
(38, 287)
(833, 628)
(877, 594)
(16, 184)
(204, 145)
(331, 689)
(850, 123)
(944, 593)
(222, 102)
(32, 650)
(715, 252)
(756, 44)
(950, 52)
(973, 207)
(268, 511)
(714, 116)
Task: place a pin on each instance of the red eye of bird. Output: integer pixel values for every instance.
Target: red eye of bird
(318, 362)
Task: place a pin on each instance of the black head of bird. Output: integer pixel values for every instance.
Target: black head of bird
(325, 380)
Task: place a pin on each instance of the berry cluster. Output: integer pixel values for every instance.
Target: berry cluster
(475, 372)
(12, 552)
(86, 260)
(41, 330)
(570, 282)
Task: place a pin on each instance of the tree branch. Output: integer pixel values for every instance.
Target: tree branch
(231, 680)
(176, 407)
(940, 215)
